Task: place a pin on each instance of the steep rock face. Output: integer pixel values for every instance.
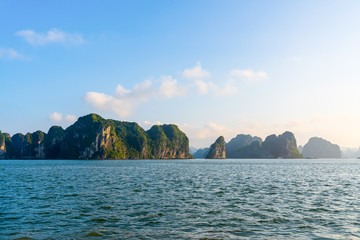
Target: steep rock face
(300, 148)
(6, 148)
(38, 144)
(2, 146)
(253, 150)
(282, 146)
(320, 148)
(52, 142)
(9, 148)
(235, 147)
(167, 141)
(79, 139)
(93, 137)
(29, 146)
(123, 140)
(217, 149)
(201, 153)
(17, 144)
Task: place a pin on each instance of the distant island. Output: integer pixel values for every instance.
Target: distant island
(217, 149)
(246, 146)
(321, 148)
(93, 137)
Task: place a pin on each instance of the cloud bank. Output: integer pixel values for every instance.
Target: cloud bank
(248, 75)
(124, 101)
(206, 87)
(9, 54)
(58, 118)
(207, 131)
(52, 36)
(196, 72)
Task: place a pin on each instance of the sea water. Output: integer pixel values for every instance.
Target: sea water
(180, 199)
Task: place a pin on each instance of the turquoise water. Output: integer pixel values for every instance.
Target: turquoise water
(182, 199)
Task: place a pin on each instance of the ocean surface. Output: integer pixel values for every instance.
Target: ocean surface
(180, 199)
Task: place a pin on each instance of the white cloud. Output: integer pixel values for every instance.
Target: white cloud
(148, 124)
(103, 102)
(55, 117)
(196, 72)
(58, 117)
(248, 75)
(204, 88)
(203, 136)
(209, 130)
(230, 88)
(125, 101)
(121, 91)
(70, 118)
(52, 36)
(9, 54)
(170, 88)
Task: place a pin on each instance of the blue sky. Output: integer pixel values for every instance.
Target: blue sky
(212, 67)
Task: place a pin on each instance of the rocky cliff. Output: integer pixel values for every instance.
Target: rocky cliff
(320, 148)
(245, 146)
(282, 146)
(2, 146)
(235, 147)
(93, 137)
(167, 141)
(28, 146)
(53, 141)
(217, 149)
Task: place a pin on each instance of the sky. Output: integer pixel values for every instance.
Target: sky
(211, 67)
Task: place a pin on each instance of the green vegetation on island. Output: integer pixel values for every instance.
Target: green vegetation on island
(282, 146)
(93, 137)
(217, 149)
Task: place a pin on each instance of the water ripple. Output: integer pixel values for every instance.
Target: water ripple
(183, 199)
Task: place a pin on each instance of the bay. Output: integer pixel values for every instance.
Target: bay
(180, 199)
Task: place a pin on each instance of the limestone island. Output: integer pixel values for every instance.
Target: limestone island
(93, 137)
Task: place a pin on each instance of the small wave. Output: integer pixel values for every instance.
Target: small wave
(24, 238)
(98, 220)
(93, 234)
(320, 209)
(71, 195)
(279, 220)
(106, 207)
(306, 227)
(214, 212)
